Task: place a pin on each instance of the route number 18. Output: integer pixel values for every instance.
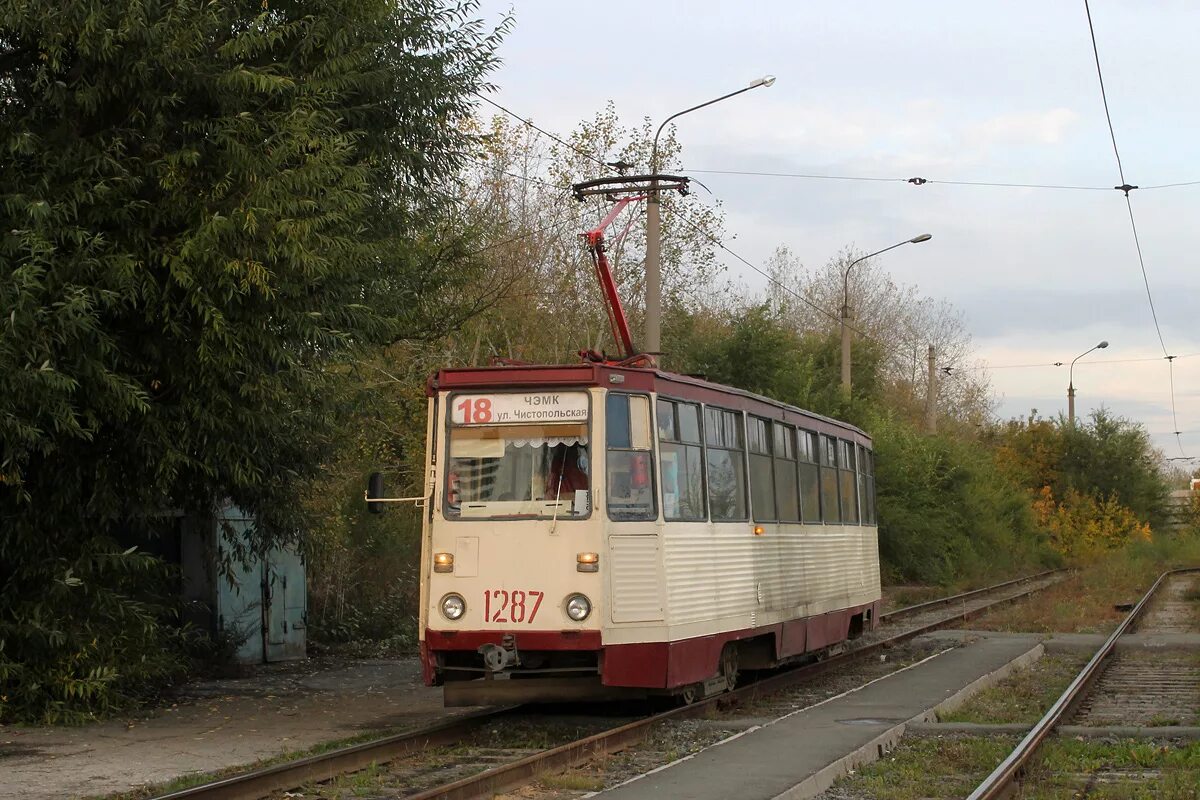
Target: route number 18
(478, 410)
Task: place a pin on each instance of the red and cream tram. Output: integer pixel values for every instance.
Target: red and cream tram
(596, 528)
(611, 529)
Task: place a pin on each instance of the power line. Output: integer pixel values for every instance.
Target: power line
(767, 275)
(1121, 172)
(1169, 185)
(542, 131)
(1089, 363)
(1145, 278)
(916, 181)
(1126, 188)
(1174, 419)
(798, 175)
(1104, 94)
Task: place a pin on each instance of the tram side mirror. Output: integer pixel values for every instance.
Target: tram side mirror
(375, 490)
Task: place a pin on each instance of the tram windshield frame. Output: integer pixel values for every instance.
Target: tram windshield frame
(519, 469)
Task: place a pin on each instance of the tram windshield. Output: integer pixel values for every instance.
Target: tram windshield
(518, 471)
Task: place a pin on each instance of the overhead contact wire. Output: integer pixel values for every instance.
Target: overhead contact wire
(1132, 220)
(542, 131)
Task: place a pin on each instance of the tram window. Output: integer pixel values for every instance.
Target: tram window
(849, 482)
(787, 501)
(725, 459)
(830, 509)
(630, 461)
(810, 477)
(517, 471)
(762, 480)
(689, 423)
(667, 430)
(682, 461)
(867, 482)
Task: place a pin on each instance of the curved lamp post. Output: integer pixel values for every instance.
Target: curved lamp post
(1071, 382)
(924, 237)
(654, 230)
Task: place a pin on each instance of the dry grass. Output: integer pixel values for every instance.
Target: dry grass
(951, 767)
(1086, 602)
(1023, 696)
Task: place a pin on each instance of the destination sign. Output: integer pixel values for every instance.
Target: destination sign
(514, 409)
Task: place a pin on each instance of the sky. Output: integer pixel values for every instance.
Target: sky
(997, 92)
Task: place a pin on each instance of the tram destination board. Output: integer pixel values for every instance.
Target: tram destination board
(509, 408)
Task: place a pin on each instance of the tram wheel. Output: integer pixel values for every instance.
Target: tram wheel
(729, 666)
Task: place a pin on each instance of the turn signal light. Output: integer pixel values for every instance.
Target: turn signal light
(759, 530)
(587, 562)
(443, 562)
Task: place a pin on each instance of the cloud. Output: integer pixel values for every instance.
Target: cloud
(1047, 127)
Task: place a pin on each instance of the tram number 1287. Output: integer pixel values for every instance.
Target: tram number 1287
(501, 605)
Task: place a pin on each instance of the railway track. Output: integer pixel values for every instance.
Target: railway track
(1131, 687)
(495, 769)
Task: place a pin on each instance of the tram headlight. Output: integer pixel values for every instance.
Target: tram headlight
(453, 607)
(578, 607)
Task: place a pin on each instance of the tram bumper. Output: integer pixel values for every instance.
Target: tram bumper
(510, 689)
(490, 667)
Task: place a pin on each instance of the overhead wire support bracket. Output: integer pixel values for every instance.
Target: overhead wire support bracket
(630, 184)
(1126, 188)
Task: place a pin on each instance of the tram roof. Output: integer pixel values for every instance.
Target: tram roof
(669, 384)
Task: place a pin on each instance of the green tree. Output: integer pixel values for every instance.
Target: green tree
(1104, 456)
(205, 207)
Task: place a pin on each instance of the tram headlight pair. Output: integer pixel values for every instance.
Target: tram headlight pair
(453, 607)
(578, 607)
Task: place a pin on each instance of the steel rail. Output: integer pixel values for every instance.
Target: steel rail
(1000, 781)
(326, 766)
(945, 601)
(508, 776)
(261, 782)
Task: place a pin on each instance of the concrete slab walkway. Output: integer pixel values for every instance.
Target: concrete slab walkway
(216, 725)
(773, 761)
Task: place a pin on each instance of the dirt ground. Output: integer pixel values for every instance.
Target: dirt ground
(218, 724)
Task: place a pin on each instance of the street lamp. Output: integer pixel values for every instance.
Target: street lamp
(654, 228)
(1071, 382)
(924, 237)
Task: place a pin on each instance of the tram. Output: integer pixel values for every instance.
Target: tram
(609, 529)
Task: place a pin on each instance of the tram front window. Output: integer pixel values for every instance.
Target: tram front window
(519, 471)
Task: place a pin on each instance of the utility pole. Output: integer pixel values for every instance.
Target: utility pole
(846, 348)
(653, 336)
(931, 394)
(633, 188)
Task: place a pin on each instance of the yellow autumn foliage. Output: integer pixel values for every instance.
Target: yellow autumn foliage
(1084, 524)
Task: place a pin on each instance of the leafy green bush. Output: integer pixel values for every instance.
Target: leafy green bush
(91, 638)
(946, 511)
(207, 210)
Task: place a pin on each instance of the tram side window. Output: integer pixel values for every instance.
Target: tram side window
(682, 461)
(810, 477)
(787, 500)
(726, 464)
(762, 480)
(867, 482)
(630, 462)
(830, 510)
(849, 481)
